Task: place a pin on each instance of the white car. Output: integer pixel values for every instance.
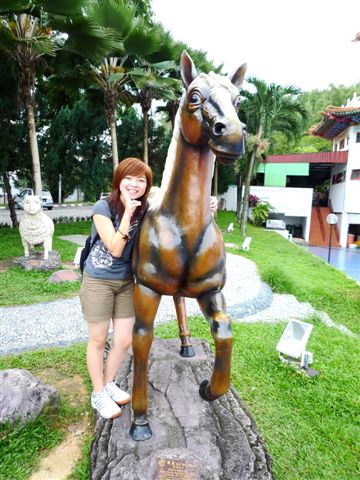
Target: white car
(46, 198)
(104, 195)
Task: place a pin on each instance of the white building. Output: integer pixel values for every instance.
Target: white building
(291, 183)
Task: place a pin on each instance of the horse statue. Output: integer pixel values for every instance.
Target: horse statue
(180, 250)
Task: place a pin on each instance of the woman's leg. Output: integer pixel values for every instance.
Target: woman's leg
(121, 341)
(98, 333)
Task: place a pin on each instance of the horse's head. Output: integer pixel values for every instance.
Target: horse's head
(209, 110)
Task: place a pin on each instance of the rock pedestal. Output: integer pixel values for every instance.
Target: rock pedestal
(35, 261)
(192, 439)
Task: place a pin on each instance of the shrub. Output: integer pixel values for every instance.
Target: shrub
(261, 212)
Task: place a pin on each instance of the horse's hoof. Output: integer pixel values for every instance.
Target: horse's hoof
(140, 432)
(187, 351)
(202, 389)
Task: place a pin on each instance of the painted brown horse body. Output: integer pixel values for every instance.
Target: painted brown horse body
(180, 250)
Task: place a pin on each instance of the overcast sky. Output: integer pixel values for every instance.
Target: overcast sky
(307, 43)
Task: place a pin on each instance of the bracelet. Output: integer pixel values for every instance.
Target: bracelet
(124, 236)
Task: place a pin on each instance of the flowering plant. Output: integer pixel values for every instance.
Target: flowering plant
(253, 201)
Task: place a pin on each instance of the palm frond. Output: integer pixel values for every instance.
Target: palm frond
(7, 39)
(88, 39)
(114, 15)
(10, 6)
(63, 8)
(117, 78)
(42, 45)
(166, 65)
(140, 42)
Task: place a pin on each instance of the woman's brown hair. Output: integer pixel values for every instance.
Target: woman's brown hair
(134, 167)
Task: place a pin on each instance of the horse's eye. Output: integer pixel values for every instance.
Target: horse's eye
(237, 102)
(195, 98)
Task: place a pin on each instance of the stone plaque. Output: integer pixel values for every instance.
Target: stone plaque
(175, 469)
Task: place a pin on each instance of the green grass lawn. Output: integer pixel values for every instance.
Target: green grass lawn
(311, 427)
(37, 287)
(22, 448)
(289, 268)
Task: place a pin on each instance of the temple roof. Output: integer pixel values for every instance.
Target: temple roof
(337, 119)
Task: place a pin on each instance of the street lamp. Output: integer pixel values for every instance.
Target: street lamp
(331, 220)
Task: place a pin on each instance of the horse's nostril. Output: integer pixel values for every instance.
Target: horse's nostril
(219, 128)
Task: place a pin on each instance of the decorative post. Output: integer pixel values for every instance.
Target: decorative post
(331, 220)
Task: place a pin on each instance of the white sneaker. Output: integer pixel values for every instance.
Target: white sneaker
(103, 404)
(116, 394)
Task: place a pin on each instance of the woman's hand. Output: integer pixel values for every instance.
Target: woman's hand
(130, 205)
(213, 204)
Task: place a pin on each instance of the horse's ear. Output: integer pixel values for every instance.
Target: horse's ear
(187, 68)
(237, 78)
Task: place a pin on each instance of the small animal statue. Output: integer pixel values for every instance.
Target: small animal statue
(35, 227)
(230, 228)
(180, 250)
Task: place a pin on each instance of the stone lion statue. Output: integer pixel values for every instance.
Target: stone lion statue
(35, 227)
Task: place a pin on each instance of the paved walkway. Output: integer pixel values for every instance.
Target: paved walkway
(345, 259)
(60, 322)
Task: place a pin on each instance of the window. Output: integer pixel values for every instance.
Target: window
(355, 175)
(339, 177)
(358, 137)
(342, 143)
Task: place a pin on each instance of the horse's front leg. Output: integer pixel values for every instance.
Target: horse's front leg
(186, 349)
(213, 307)
(146, 305)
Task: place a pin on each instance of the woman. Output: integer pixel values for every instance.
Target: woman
(107, 288)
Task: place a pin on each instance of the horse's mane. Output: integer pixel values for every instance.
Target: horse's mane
(169, 162)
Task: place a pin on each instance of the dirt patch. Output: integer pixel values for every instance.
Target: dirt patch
(71, 388)
(62, 459)
(5, 264)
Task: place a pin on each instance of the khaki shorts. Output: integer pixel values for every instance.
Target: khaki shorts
(102, 299)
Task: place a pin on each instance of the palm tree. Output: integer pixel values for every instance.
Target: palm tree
(30, 31)
(269, 109)
(153, 83)
(113, 73)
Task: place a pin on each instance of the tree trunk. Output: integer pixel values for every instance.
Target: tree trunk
(239, 187)
(11, 202)
(216, 182)
(114, 147)
(146, 135)
(245, 205)
(216, 179)
(34, 149)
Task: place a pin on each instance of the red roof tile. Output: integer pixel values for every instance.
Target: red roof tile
(319, 157)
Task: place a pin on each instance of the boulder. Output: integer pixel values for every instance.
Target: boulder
(23, 396)
(64, 276)
(192, 438)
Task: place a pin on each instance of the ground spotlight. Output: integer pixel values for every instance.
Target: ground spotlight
(292, 346)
